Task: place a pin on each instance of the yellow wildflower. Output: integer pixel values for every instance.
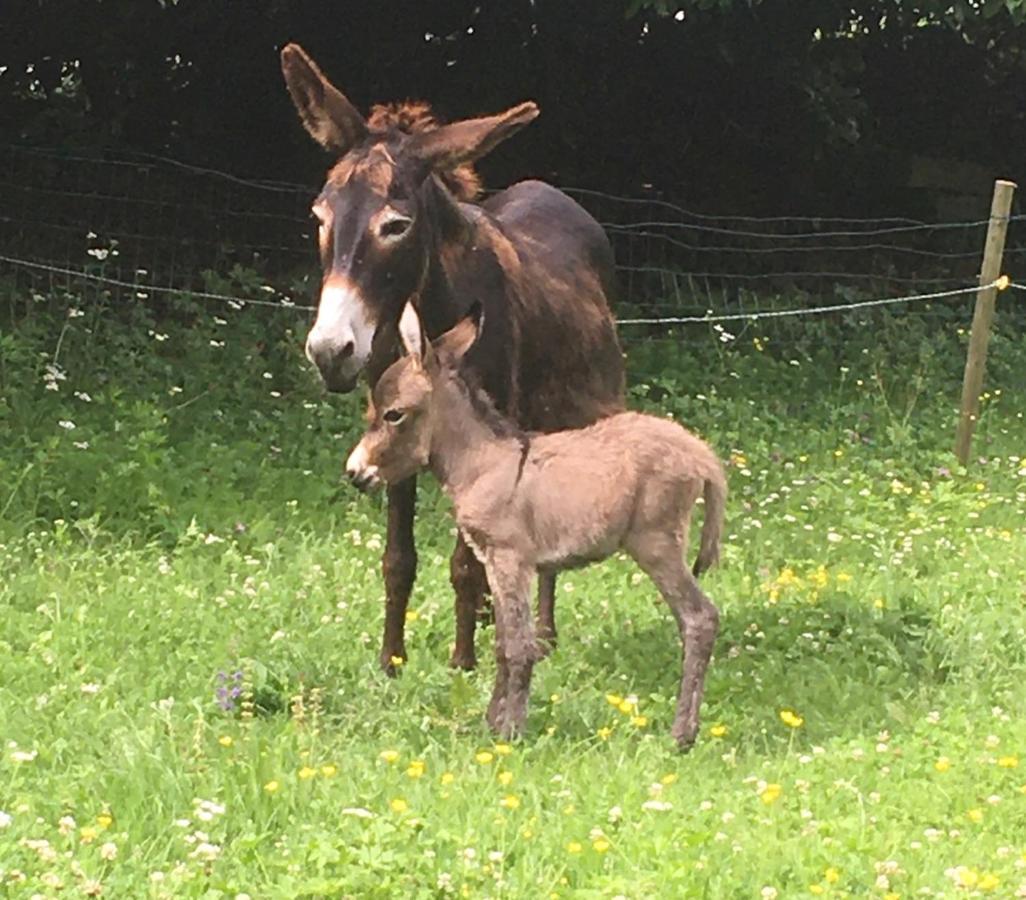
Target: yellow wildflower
(104, 820)
(626, 707)
(225, 740)
(447, 778)
(1008, 762)
(604, 733)
(817, 889)
(942, 764)
(510, 801)
(415, 769)
(574, 847)
(669, 778)
(328, 771)
(483, 757)
(505, 778)
(718, 730)
(832, 875)
(88, 834)
(271, 787)
(503, 749)
(412, 615)
(770, 793)
(389, 756)
(989, 881)
(975, 815)
(307, 773)
(601, 845)
(398, 805)
(639, 721)
(614, 699)
(791, 719)
(397, 661)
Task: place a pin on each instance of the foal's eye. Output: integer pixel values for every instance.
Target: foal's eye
(394, 416)
(394, 227)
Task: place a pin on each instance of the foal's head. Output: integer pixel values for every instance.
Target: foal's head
(404, 404)
(373, 236)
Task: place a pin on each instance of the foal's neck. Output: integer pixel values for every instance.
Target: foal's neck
(468, 438)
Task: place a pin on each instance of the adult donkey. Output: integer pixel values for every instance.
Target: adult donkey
(398, 221)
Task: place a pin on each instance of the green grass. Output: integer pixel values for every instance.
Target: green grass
(191, 525)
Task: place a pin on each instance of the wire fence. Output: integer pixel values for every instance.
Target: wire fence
(140, 227)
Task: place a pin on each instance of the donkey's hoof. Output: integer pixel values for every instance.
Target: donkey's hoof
(461, 659)
(391, 664)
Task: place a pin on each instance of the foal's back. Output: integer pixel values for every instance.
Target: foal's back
(580, 492)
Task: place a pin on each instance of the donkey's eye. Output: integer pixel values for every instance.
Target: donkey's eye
(394, 416)
(394, 227)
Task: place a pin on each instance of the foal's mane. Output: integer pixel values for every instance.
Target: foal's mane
(417, 117)
(501, 425)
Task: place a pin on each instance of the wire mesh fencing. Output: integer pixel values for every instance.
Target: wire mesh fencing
(137, 228)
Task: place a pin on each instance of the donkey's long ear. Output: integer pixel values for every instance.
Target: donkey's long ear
(329, 117)
(454, 344)
(411, 333)
(466, 141)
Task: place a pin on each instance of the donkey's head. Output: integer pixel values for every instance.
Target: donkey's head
(373, 237)
(403, 405)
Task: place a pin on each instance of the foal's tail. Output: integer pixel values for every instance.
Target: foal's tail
(715, 493)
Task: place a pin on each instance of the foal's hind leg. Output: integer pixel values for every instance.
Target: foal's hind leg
(546, 612)
(661, 557)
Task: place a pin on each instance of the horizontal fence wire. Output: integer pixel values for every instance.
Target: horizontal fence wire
(142, 226)
(807, 311)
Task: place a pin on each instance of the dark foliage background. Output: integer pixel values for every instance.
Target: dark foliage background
(764, 107)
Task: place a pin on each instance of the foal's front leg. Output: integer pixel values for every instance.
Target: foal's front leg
(516, 649)
(399, 567)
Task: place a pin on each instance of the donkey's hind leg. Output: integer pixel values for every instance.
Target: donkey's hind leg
(470, 584)
(546, 612)
(661, 557)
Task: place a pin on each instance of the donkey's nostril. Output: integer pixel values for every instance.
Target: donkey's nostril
(347, 350)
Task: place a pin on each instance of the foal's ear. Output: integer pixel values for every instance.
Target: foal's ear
(463, 142)
(411, 333)
(329, 117)
(454, 344)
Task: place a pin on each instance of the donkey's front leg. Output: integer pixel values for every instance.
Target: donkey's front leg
(399, 567)
(516, 649)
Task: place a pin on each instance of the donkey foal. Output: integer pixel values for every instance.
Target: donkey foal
(546, 502)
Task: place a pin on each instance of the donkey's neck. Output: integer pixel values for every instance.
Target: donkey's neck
(468, 437)
(450, 234)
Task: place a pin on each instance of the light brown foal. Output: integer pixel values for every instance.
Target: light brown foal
(540, 503)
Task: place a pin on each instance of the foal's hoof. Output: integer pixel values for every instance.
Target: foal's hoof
(544, 644)
(685, 738)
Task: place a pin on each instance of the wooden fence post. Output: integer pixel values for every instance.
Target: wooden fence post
(979, 337)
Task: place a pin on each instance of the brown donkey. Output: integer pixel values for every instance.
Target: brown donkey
(542, 503)
(397, 221)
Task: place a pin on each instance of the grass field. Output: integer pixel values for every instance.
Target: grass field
(191, 607)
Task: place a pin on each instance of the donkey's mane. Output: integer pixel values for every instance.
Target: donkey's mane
(416, 117)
